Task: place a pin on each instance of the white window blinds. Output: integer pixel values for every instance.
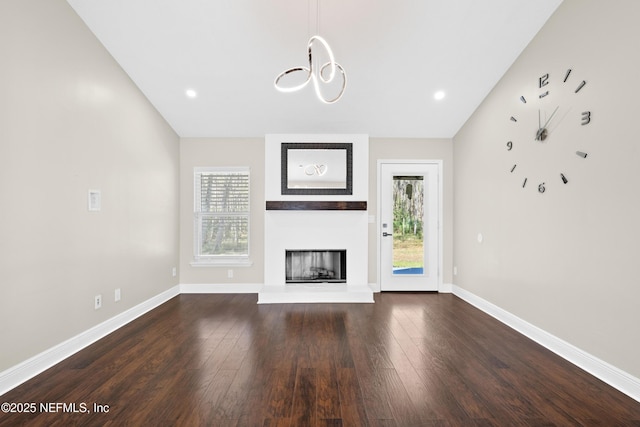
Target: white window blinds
(221, 212)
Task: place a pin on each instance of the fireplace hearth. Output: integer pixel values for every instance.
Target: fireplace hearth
(315, 266)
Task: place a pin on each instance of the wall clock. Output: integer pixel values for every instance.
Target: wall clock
(547, 126)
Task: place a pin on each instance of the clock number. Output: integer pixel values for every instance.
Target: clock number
(580, 86)
(566, 76)
(581, 154)
(541, 188)
(509, 146)
(564, 179)
(513, 168)
(523, 99)
(524, 183)
(543, 81)
(513, 119)
(586, 117)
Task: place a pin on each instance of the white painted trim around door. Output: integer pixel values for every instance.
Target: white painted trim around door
(439, 164)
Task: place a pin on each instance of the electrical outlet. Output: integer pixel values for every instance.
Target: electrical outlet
(455, 270)
(230, 274)
(97, 302)
(174, 271)
(116, 295)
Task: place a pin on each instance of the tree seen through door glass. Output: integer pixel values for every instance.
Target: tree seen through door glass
(408, 225)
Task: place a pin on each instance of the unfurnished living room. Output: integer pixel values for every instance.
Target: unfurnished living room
(319, 213)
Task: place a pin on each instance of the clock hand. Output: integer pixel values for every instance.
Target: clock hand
(551, 117)
(540, 135)
(539, 132)
(539, 121)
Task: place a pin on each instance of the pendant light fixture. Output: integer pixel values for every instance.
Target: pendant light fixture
(314, 73)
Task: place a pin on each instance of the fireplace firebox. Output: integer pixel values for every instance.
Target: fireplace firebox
(316, 266)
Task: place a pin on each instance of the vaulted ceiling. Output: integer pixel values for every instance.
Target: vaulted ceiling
(396, 53)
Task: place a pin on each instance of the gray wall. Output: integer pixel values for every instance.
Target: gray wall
(250, 152)
(71, 120)
(564, 260)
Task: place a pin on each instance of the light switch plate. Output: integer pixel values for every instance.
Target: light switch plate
(94, 200)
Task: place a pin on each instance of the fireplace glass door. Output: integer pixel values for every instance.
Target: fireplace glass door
(316, 266)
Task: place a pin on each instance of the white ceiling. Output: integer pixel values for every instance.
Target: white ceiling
(396, 53)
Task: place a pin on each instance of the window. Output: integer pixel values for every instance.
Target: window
(221, 216)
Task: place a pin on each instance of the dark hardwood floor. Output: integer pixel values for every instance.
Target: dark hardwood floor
(410, 359)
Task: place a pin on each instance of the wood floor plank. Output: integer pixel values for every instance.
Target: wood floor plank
(279, 396)
(304, 411)
(351, 400)
(328, 396)
(405, 413)
(410, 359)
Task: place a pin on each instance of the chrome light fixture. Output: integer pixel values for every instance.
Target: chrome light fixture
(314, 74)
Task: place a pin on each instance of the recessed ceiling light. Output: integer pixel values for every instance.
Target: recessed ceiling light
(439, 95)
(191, 93)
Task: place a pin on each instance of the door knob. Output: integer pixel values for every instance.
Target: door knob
(385, 234)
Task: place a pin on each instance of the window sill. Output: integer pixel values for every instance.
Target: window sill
(224, 262)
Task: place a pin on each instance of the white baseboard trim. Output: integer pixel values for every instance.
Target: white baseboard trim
(31, 367)
(616, 378)
(445, 288)
(224, 288)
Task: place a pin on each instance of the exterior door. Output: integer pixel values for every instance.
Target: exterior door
(409, 232)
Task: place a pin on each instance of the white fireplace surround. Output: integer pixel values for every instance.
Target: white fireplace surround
(316, 229)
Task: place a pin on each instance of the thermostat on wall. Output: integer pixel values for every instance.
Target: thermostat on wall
(94, 199)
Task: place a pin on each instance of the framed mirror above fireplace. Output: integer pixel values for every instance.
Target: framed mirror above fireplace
(316, 168)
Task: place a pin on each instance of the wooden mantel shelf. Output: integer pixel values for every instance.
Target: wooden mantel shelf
(276, 205)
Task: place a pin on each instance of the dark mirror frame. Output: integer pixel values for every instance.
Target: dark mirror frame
(284, 161)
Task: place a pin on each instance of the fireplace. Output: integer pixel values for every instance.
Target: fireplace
(316, 266)
(308, 237)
